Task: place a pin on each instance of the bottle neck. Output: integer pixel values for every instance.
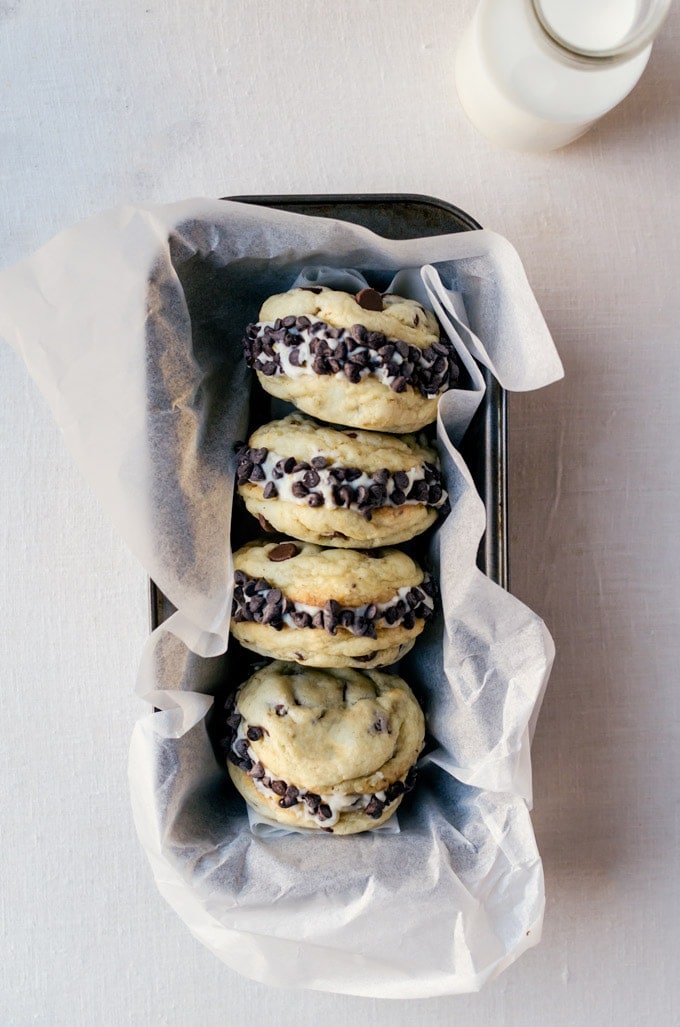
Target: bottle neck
(596, 33)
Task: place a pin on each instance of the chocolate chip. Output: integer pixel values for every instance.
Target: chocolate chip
(324, 811)
(279, 787)
(240, 577)
(255, 733)
(260, 585)
(270, 490)
(352, 372)
(290, 798)
(363, 496)
(289, 464)
(258, 456)
(313, 801)
(428, 586)
(401, 479)
(280, 710)
(347, 619)
(316, 289)
(369, 299)
(345, 495)
(352, 473)
(315, 499)
(234, 720)
(257, 473)
(257, 771)
(320, 366)
(318, 462)
(299, 491)
(409, 620)
(301, 619)
(331, 616)
(271, 615)
(374, 808)
(241, 748)
(360, 357)
(398, 498)
(394, 790)
(398, 384)
(264, 523)
(284, 551)
(419, 491)
(294, 357)
(317, 619)
(311, 478)
(371, 612)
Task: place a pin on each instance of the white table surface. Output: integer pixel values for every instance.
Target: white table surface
(109, 103)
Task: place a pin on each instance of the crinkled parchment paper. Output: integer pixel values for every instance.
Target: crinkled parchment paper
(131, 325)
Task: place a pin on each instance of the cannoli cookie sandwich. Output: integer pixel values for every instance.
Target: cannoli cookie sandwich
(339, 487)
(372, 360)
(324, 749)
(328, 607)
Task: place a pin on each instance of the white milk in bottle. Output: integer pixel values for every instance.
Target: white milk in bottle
(529, 90)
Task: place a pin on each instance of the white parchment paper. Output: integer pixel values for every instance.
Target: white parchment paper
(131, 325)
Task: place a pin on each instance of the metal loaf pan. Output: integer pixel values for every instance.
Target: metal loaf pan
(484, 448)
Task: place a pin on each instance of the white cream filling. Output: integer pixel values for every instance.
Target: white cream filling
(284, 485)
(360, 611)
(306, 356)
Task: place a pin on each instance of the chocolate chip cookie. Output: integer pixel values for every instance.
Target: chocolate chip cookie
(368, 361)
(339, 488)
(323, 749)
(329, 607)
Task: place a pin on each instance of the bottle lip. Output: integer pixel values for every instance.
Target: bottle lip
(632, 44)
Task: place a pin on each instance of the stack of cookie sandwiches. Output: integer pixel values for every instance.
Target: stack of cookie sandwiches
(322, 737)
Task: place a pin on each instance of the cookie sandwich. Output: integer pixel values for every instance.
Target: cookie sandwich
(372, 360)
(326, 607)
(339, 487)
(324, 749)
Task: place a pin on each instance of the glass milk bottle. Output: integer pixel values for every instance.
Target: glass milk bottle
(536, 74)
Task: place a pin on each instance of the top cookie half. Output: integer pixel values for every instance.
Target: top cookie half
(369, 361)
